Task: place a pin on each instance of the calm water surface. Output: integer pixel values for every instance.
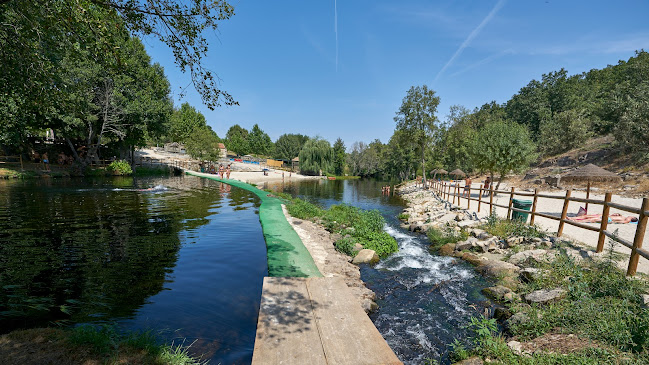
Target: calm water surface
(186, 260)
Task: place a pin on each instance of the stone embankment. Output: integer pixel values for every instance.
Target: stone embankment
(509, 260)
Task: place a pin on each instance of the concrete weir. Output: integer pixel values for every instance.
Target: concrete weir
(305, 318)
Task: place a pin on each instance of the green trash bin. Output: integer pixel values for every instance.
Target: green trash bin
(521, 204)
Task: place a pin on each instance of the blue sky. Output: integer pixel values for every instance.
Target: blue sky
(340, 68)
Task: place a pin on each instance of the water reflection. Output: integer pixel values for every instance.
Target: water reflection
(76, 251)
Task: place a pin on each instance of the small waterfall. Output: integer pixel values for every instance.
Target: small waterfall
(425, 300)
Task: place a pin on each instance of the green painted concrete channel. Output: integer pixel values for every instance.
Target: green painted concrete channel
(286, 254)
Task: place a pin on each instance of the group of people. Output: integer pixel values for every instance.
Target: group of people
(385, 190)
(223, 171)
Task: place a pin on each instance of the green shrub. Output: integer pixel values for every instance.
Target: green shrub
(120, 167)
(403, 216)
(381, 242)
(439, 238)
(346, 245)
(505, 228)
(304, 210)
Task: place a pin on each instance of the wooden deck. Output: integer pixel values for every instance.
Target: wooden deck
(315, 321)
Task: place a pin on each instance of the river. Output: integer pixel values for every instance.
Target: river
(187, 260)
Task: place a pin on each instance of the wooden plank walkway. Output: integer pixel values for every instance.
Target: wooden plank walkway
(315, 321)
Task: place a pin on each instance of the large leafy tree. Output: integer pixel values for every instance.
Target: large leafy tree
(203, 144)
(501, 147)
(416, 117)
(183, 122)
(237, 140)
(288, 146)
(339, 157)
(316, 157)
(259, 142)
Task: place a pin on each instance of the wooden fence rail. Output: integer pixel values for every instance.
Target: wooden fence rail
(445, 190)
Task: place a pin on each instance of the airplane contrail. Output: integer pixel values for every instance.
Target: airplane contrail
(336, 30)
(471, 36)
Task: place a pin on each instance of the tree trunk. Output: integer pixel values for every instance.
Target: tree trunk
(500, 179)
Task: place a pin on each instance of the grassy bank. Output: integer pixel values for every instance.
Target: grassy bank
(600, 318)
(356, 227)
(89, 345)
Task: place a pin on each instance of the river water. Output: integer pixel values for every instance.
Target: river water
(187, 260)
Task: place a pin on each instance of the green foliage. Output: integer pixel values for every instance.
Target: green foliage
(288, 146)
(346, 245)
(184, 122)
(502, 147)
(563, 132)
(259, 142)
(203, 144)
(366, 160)
(237, 140)
(416, 117)
(105, 340)
(507, 228)
(304, 210)
(439, 238)
(403, 216)
(602, 304)
(632, 131)
(339, 157)
(316, 156)
(120, 167)
(459, 351)
(152, 171)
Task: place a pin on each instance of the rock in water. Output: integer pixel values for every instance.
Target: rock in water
(365, 256)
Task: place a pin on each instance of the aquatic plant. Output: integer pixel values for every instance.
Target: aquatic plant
(120, 167)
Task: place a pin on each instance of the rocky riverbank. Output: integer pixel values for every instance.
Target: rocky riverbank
(332, 263)
(522, 260)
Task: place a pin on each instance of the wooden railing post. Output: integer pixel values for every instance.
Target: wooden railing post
(468, 199)
(21, 162)
(480, 197)
(639, 237)
(604, 224)
(457, 192)
(491, 199)
(564, 212)
(587, 196)
(511, 201)
(536, 198)
(454, 188)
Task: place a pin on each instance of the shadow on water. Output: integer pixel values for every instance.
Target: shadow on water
(425, 300)
(101, 250)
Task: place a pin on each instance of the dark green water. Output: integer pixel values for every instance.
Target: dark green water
(186, 260)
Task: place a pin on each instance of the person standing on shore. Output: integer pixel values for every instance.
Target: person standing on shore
(221, 171)
(46, 162)
(227, 171)
(467, 187)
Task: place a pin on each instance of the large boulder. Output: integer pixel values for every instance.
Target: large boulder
(365, 256)
(471, 361)
(447, 249)
(530, 255)
(496, 292)
(530, 274)
(545, 296)
(466, 245)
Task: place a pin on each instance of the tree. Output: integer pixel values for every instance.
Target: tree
(203, 144)
(316, 157)
(33, 27)
(564, 131)
(416, 117)
(633, 126)
(503, 146)
(237, 140)
(183, 122)
(259, 142)
(288, 146)
(339, 157)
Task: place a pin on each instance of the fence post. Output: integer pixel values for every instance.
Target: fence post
(564, 212)
(511, 201)
(454, 188)
(604, 224)
(468, 199)
(536, 197)
(587, 195)
(21, 162)
(457, 192)
(480, 197)
(491, 199)
(639, 237)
